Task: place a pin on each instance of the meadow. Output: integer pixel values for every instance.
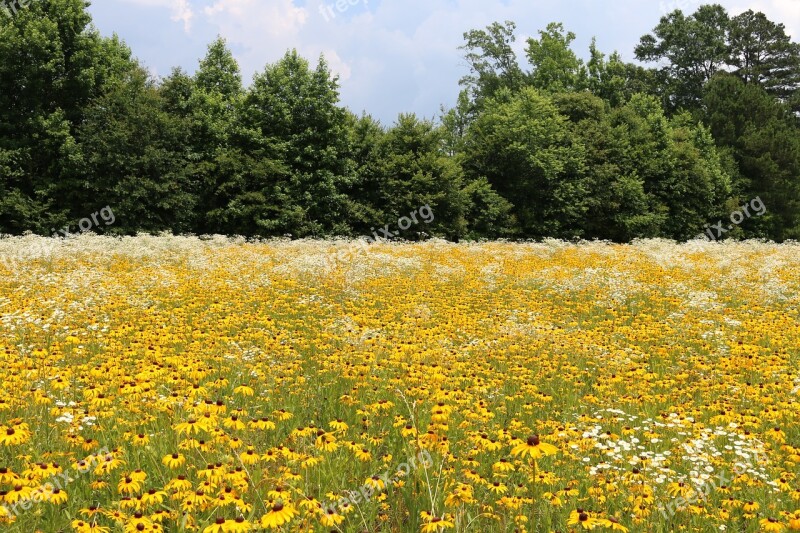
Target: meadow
(219, 385)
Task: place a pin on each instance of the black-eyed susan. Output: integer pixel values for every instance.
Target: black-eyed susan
(244, 390)
(129, 485)
(794, 520)
(238, 525)
(192, 426)
(773, 525)
(153, 497)
(582, 519)
(279, 514)
(679, 488)
(83, 526)
(173, 461)
(534, 448)
(178, 484)
(14, 436)
(57, 496)
(750, 507)
(217, 527)
(433, 524)
(330, 518)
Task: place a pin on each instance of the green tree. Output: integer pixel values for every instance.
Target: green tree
(52, 66)
(492, 61)
(761, 52)
(455, 122)
(215, 101)
(617, 206)
(763, 138)
(219, 72)
(694, 47)
(415, 173)
(523, 146)
(615, 81)
(555, 66)
(368, 154)
(680, 171)
(298, 107)
(133, 157)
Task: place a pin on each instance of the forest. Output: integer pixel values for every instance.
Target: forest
(556, 144)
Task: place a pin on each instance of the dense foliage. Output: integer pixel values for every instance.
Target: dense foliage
(558, 147)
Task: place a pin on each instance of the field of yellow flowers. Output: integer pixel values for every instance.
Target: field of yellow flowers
(218, 385)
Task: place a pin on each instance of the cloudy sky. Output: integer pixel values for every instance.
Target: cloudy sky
(392, 56)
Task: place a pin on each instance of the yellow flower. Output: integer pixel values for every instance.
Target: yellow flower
(18, 493)
(237, 525)
(433, 524)
(140, 439)
(217, 527)
(58, 496)
(751, 507)
(12, 436)
(173, 461)
(679, 489)
(129, 485)
(613, 524)
(375, 482)
(503, 466)
(195, 500)
(362, 454)
(339, 425)
(82, 526)
(582, 519)
(278, 515)
(190, 427)
(498, 488)
(244, 390)
(107, 464)
(330, 518)
(153, 496)
(180, 483)
(794, 520)
(326, 441)
(778, 435)
(462, 494)
(771, 524)
(136, 522)
(249, 457)
(534, 448)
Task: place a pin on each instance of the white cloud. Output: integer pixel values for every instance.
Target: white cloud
(263, 31)
(402, 55)
(277, 18)
(181, 10)
(785, 11)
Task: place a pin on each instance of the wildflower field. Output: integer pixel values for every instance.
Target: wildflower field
(182, 384)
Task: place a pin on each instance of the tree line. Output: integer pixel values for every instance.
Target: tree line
(548, 145)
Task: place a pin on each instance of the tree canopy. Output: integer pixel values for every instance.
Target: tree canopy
(554, 143)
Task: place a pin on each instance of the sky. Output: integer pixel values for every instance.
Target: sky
(391, 56)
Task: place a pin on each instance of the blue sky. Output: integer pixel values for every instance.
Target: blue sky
(392, 56)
